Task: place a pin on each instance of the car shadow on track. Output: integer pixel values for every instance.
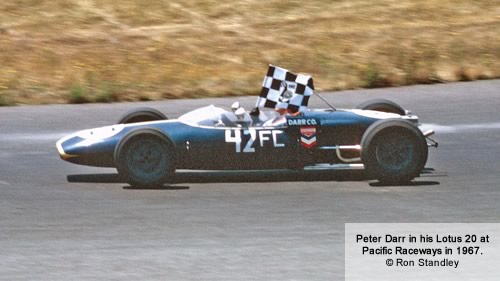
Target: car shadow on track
(163, 187)
(185, 176)
(420, 181)
(412, 183)
(115, 178)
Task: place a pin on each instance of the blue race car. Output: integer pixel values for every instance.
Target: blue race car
(146, 148)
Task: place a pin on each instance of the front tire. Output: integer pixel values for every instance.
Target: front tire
(143, 114)
(145, 159)
(393, 151)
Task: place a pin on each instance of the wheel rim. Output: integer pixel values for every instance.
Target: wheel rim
(395, 152)
(146, 159)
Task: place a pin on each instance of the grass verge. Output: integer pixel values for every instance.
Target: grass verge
(104, 51)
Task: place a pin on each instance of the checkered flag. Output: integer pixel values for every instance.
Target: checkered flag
(283, 89)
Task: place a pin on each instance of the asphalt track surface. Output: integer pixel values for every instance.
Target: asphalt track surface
(52, 229)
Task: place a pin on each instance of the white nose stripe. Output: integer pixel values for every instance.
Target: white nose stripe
(460, 128)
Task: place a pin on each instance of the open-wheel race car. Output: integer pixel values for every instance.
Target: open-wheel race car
(146, 148)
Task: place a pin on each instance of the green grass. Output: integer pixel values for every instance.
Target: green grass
(78, 94)
(4, 101)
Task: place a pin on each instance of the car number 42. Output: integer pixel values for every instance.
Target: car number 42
(255, 138)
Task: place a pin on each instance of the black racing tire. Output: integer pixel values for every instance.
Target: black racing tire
(143, 114)
(145, 158)
(382, 105)
(393, 151)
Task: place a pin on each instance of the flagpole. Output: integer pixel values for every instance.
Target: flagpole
(323, 99)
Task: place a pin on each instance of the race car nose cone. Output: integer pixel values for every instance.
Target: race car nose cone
(64, 148)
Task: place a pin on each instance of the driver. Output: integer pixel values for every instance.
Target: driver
(258, 117)
(281, 119)
(286, 112)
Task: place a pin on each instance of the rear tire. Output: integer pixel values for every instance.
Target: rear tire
(145, 158)
(382, 105)
(143, 114)
(393, 151)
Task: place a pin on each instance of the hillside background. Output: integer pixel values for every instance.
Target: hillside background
(59, 51)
